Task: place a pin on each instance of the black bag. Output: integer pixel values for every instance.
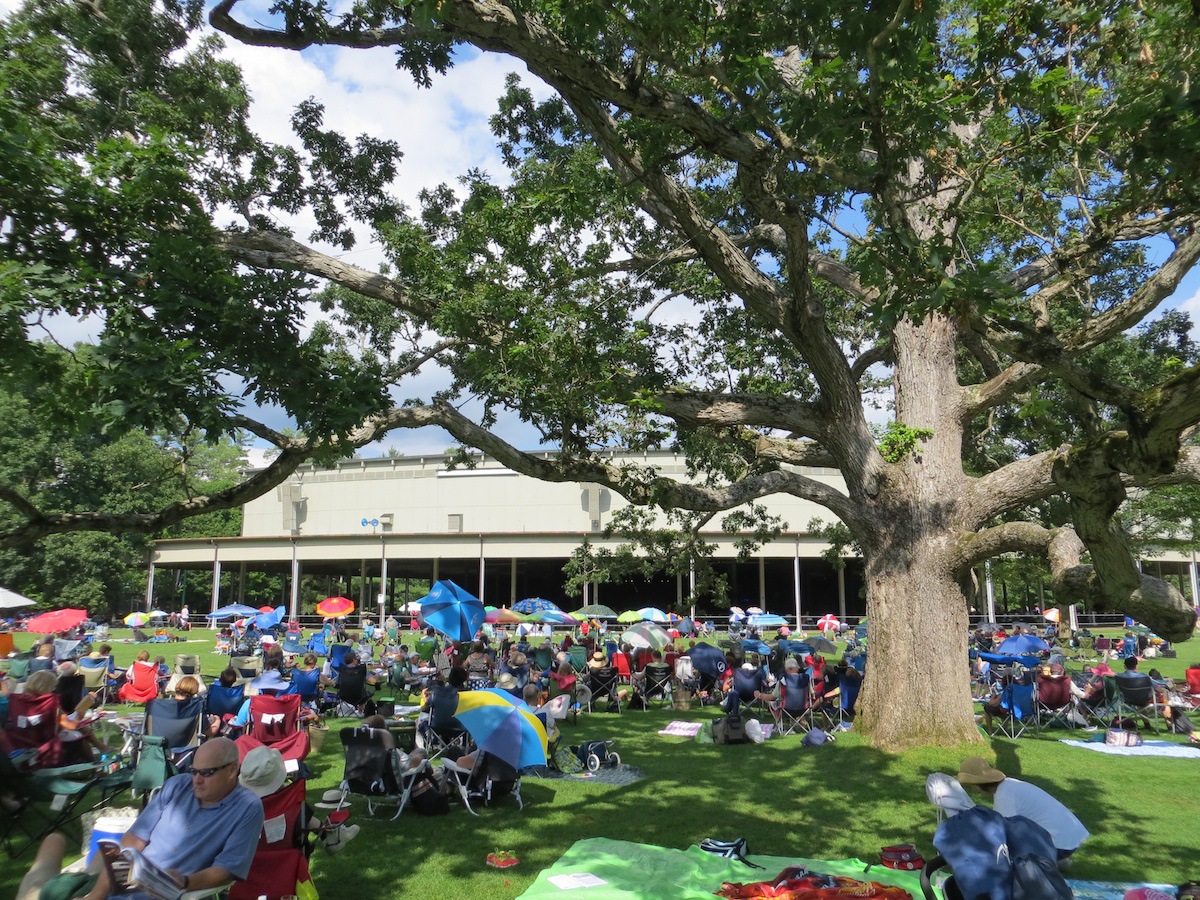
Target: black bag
(1038, 878)
(427, 798)
(729, 730)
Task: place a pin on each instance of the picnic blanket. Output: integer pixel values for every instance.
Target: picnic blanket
(614, 775)
(1111, 890)
(627, 870)
(1146, 748)
(682, 729)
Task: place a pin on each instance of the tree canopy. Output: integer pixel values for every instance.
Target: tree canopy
(729, 226)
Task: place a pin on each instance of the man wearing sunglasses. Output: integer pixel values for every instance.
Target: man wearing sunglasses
(202, 825)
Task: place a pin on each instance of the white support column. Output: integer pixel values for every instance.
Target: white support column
(150, 587)
(1073, 616)
(990, 589)
(216, 578)
(842, 592)
(1195, 583)
(482, 565)
(383, 579)
(294, 606)
(692, 579)
(796, 583)
(679, 590)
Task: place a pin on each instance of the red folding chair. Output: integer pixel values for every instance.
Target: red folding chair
(141, 683)
(275, 722)
(621, 661)
(281, 858)
(33, 725)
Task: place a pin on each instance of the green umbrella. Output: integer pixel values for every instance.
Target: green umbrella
(596, 611)
(630, 615)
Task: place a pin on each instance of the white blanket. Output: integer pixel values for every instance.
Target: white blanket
(1146, 748)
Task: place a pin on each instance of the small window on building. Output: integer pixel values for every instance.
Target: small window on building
(454, 522)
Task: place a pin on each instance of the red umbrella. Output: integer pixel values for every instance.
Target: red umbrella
(333, 607)
(266, 609)
(58, 620)
(828, 622)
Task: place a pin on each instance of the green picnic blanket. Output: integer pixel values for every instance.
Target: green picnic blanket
(632, 870)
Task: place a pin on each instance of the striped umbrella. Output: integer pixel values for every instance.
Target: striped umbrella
(503, 726)
(652, 614)
(646, 635)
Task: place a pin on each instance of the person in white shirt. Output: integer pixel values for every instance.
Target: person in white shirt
(1012, 797)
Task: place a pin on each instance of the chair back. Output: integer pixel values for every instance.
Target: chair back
(32, 721)
(66, 649)
(6, 643)
(1054, 691)
(307, 683)
(1136, 689)
(316, 644)
(368, 769)
(1193, 680)
(543, 657)
(849, 686)
(685, 669)
(225, 701)
(793, 691)
(352, 684)
(577, 656)
(279, 859)
(143, 677)
(177, 722)
(95, 678)
(621, 661)
(1018, 700)
(70, 690)
(273, 719)
(1103, 644)
(248, 667)
(187, 664)
(337, 656)
(19, 666)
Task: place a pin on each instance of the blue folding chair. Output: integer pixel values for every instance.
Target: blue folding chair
(1018, 708)
(316, 644)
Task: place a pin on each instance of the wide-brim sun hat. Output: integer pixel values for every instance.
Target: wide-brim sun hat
(506, 681)
(263, 771)
(977, 770)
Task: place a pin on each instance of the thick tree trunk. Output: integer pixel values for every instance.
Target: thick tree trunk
(917, 689)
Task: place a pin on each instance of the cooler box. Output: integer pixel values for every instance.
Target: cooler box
(107, 828)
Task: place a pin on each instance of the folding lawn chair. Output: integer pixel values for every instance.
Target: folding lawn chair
(281, 857)
(49, 800)
(179, 723)
(275, 722)
(657, 686)
(604, 683)
(1137, 698)
(491, 780)
(371, 770)
(248, 667)
(1018, 708)
(791, 711)
(1054, 702)
(185, 664)
(316, 644)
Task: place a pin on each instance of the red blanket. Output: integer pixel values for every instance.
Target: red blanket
(798, 883)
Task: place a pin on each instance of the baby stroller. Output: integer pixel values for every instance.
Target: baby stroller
(594, 754)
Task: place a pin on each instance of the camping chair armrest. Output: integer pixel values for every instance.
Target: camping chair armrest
(207, 892)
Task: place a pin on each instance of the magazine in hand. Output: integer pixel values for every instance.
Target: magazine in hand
(129, 871)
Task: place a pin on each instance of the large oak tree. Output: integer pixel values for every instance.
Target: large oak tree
(730, 225)
(972, 198)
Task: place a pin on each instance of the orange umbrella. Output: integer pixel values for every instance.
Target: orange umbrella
(334, 607)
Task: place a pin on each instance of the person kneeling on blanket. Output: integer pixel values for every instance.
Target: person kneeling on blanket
(1018, 798)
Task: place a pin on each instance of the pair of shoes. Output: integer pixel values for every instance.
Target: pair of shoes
(502, 859)
(339, 836)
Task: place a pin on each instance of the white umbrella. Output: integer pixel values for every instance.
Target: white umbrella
(11, 599)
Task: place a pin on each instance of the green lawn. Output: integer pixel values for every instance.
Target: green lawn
(835, 801)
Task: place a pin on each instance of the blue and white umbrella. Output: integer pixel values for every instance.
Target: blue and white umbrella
(653, 614)
(533, 605)
(233, 610)
(452, 611)
(767, 620)
(265, 620)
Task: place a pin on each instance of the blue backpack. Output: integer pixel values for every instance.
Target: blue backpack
(1004, 859)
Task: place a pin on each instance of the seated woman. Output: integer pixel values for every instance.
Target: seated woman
(517, 665)
(562, 680)
(141, 680)
(479, 667)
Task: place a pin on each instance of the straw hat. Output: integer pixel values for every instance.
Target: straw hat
(977, 770)
(263, 771)
(598, 660)
(507, 681)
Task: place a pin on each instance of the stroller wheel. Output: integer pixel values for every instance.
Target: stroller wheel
(614, 759)
(593, 762)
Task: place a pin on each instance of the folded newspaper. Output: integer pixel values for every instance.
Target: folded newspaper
(130, 872)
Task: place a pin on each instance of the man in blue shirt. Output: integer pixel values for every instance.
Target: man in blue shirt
(203, 826)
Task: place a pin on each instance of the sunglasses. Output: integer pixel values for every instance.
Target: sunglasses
(210, 772)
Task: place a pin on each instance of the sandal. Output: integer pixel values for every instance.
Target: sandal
(502, 859)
